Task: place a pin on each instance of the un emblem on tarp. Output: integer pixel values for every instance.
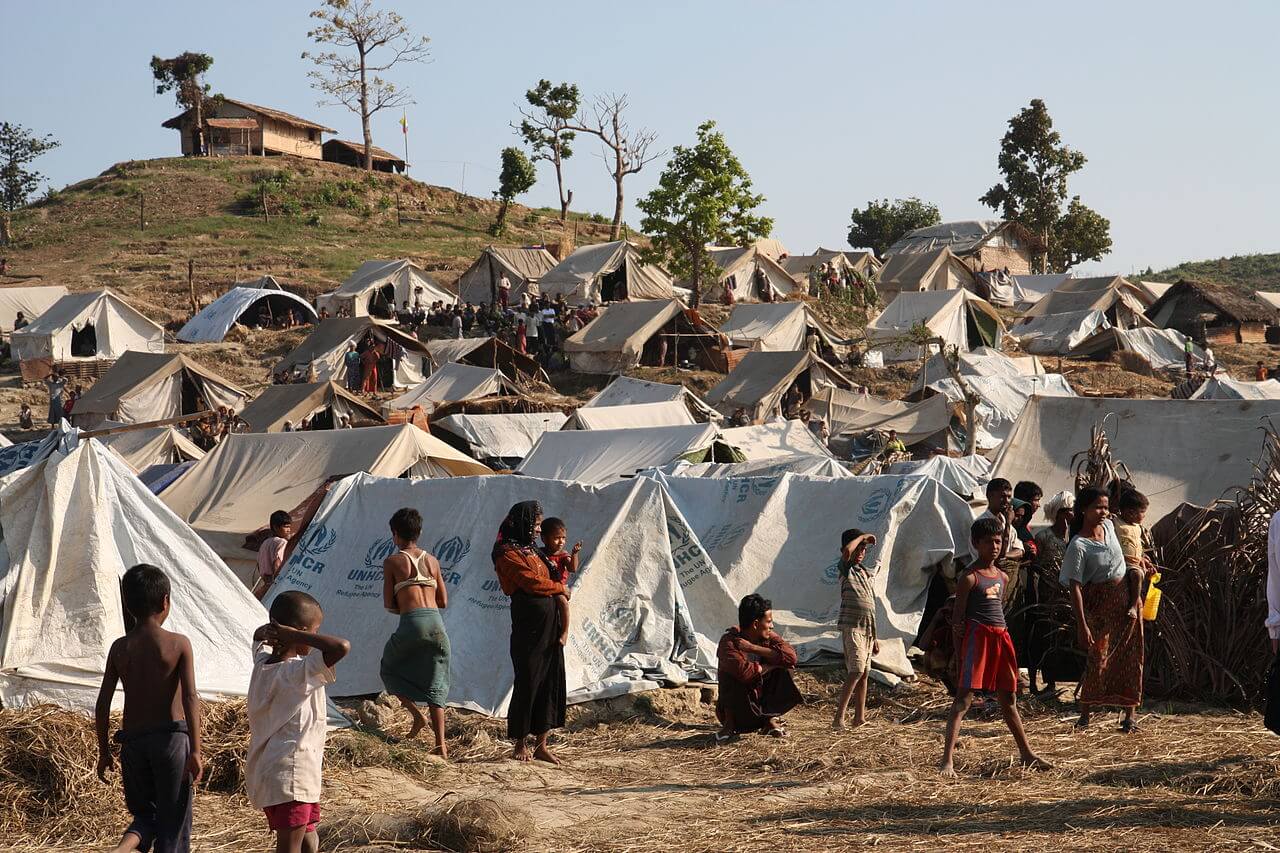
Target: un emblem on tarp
(378, 552)
(876, 504)
(451, 551)
(623, 619)
(318, 539)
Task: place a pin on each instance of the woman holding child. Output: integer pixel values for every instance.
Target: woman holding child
(1109, 630)
(537, 656)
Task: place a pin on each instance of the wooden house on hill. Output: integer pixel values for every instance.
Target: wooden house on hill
(352, 154)
(234, 127)
(1213, 313)
(983, 244)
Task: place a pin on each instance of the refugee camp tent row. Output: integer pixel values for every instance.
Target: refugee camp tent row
(958, 317)
(605, 272)
(1176, 450)
(233, 490)
(500, 441)
(325, 347)
(484, 352)
(94, 324)
(927, 271)
(143, 386)
(669, 413)
(626, 390)
(606, 455)
(453, 383)
(1220, 386)
(380, 289)
(523, 267)
(61, 599)
(923, 425)
(665, 562)
(1058, 334)
(653, 332)
(30, 301)
(324, 405)
(760, 381)
(747, 273)
(244, 304)
(779, 327)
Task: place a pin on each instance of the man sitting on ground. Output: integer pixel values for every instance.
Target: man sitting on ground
(756, 685)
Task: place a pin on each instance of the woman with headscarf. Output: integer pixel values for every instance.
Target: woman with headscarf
(1051, 605)
(1093, 569)
(537, 658)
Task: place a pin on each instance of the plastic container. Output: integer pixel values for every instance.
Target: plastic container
(1152, 605)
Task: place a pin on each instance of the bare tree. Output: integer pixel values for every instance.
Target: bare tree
(626, 151)
(352, 81)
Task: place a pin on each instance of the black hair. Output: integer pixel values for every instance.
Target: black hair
(751, 608)
(143, 590)
(1086, 498)
(1131, 499)
(406, 523)
(295, 609)
(849, 535)
(985, 528)
(999, 484)
(551, 526)
(1028, 491)
(280, 518)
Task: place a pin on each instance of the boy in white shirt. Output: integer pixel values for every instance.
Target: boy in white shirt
(287, 715)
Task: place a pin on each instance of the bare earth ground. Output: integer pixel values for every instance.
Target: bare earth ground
(1190, 779)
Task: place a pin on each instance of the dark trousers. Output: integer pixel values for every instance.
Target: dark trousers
(157, 789)
(749, 709)
(538, 695)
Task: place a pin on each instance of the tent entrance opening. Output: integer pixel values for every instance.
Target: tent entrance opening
(981, 329)
(322, 419)
(382, 302)
(84, 342)
(192, 400)
(613, 286)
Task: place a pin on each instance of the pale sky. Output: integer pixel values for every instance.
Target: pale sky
(827, 104)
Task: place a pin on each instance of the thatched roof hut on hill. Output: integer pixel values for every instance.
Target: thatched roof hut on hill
(1213, 313)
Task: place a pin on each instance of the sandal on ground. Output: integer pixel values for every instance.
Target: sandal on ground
(722, 738)
(1128, 726)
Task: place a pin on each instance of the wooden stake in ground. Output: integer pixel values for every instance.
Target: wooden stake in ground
(191, 286)
(142, 212)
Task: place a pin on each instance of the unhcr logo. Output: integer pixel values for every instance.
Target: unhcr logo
(451, 551)
(318, 539)
(378, 552)
(876, 505)
(831, 574)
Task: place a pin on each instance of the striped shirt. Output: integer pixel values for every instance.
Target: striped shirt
(857, 599)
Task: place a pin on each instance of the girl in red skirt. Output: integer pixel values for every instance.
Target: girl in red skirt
(987, 660)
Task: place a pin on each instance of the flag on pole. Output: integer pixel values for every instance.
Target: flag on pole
(404, 123)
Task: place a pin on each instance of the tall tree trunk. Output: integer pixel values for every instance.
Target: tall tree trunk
(618, 175)
(364, 115)
(696, 277)
(199, 124)
(565, 200)
(500, 222)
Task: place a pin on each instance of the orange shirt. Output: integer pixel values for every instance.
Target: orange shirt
(522, 569)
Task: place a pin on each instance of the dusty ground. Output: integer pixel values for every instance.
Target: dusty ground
(1191, 779)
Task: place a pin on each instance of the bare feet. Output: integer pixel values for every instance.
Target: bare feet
(129, 843)
(1083, 722)
(521, 752)
(441, 751)
(859, 721)
(837, 725)
(946, 769)
(419, 723)
(544, 754)
(1031, 761)
(1133, 612)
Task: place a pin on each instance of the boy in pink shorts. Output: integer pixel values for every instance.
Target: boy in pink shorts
(287, 716)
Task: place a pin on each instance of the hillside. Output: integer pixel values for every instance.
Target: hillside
(323, 220)
(1248, 273)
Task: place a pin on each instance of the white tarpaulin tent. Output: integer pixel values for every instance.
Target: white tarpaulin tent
(453, 383)
(1223, 387)
(322, 404)
(62, 606)
(758, 383)
(1176, 450)
(1122, 302)
(928, 271)
(142, 448)
(605, 272)
(615, 340)
(91, 324)
(649, 602)
(523, 267)
(604, 455)
(967, 476)
(484, 352)
(232, 491)
(853, 414)
(808, 465)
(670, 413)
(777, 327)
(382, 287)
(1030, 289)
(1269, 298)
(1058, 334)
(744, 272)
(983, 361)
(958, 317)
(624, 391)
(144, 386)
(216, 319)
(507, 437)
(775, 440)
(1160, 349)
(1002, 400)
(327, 344)
(31, 301)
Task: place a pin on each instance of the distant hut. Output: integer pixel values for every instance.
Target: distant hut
(1213, 313)
(352, 154)
(234, 127)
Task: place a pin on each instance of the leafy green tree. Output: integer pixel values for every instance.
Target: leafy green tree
(703, 197)
(19, 147)
(183, 75)
(882, 223)
(517, 177)
(1036, 164)
(545, 127)
(353, 79)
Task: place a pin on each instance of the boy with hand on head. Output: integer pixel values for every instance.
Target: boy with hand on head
(987, 660)
(160, 735)
(554, 535)
(857, 624)
(287, 716)
(271, 551)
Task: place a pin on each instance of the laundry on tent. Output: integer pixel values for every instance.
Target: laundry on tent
(523, 268)
(500, 440)
(452, 383)
(323, 350)
(94, 324)
(653, 333)
(957, 317)
(321, 405)
(760, 382)
(253, 304)
(380, 289)
(142, 387)
(605, 272)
